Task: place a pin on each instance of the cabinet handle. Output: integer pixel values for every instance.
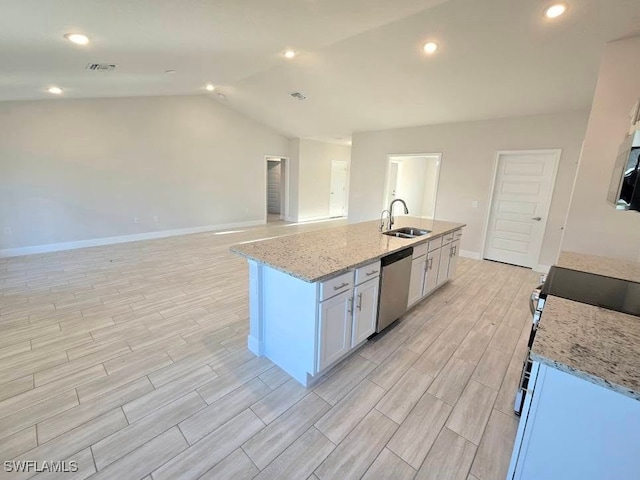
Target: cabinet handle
(350, 307)
(336, 287)
(368, 274)
(430, 263)
(360, 302)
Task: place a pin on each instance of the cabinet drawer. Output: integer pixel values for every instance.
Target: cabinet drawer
(435, 244)
(368, 272)
(457, 234)
(420, 250)
(447, 238)
(336, 285)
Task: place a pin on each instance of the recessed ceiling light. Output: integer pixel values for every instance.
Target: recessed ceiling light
(222, 96)
(289, 54)
(209, 87)
(430, 47)
(555, 10)
(78, 38)
(54, 90)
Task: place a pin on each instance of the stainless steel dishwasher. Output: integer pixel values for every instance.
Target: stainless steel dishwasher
(394, 287)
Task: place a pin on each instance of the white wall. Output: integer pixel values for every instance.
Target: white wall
(594, 226)
(469, 152)
(431, 192)
(312, 167)
(411, 177)
(74, 170)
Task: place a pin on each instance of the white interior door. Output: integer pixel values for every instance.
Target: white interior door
(338, 200)
(521, 198)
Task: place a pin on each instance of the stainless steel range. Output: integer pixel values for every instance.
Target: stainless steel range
(536, 305)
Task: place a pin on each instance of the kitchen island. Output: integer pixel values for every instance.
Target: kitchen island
(582, 413)
(314, 296)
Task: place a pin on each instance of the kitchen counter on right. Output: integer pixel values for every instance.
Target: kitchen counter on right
(590, 342)
(608, 267)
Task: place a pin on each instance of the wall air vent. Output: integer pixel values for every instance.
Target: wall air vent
(101, 67)
(298, 96)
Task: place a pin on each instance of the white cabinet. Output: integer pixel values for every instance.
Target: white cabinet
(453, 259)
(443, 264)
(432, 267)
(347, 319)
(573, 429)
(334, 329)
(365, 311)
(416, 284)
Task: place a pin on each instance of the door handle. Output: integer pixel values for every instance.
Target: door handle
(350, 307)
(537, 219)
(429, 265)
(360, 302)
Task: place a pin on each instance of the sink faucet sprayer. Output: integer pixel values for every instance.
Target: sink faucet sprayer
(390, 219)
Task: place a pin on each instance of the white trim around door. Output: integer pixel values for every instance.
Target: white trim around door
(284, 206)
(536, 213)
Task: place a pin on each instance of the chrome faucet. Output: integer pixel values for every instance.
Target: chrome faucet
(382, 218)
(391, 219)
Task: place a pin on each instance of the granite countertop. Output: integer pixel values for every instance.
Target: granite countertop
(599, 345)
(608, 267)
(321, 254)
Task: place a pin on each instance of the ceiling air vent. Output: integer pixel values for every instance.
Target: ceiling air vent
(298, 96)
(101, 67)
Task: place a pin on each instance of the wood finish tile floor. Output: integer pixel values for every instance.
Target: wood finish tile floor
(131, 360)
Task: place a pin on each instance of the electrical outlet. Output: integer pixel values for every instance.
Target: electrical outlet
(136, 220)
(474, 204)
(7, 231)
(156, 218)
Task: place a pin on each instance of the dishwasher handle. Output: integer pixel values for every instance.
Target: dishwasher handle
(397, 256)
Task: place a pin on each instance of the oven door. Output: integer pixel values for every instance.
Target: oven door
(523, 385)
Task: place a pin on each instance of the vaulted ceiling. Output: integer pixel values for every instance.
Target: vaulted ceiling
(359, 62)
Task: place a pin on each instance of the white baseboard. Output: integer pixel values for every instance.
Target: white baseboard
(470, 254)
(97, 242)
(541, 268)
(312, 219)
(255, 346)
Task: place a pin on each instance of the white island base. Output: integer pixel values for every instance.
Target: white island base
(313, 297)
(305, 328)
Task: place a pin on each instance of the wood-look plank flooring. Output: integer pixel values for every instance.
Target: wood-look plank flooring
(131, 359)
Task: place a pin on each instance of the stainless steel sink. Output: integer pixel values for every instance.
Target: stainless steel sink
(407, 232)
(398, 234)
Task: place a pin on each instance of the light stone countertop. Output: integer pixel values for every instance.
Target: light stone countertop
(590, 342)
(608, 267)
(321, 254)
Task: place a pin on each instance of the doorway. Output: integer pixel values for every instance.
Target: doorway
(276, 189)
(339, 183)
(519, 208)
(414, 179)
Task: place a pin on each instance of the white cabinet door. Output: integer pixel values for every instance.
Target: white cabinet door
(334, 338)
(453, 259)
(431, 274)
(365, 312)
(416, 284)
(443, 267)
